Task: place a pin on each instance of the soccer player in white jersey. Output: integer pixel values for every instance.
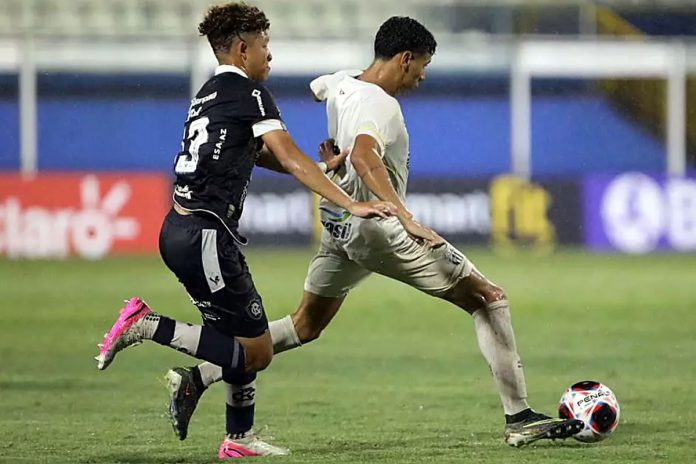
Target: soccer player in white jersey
(365, 118)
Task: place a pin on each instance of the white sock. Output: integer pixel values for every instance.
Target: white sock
(210, 373)
(496, 341)
(283, 336)
(147, 326)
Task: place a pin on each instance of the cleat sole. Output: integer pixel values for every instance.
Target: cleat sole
(173, 380)
(559, 432)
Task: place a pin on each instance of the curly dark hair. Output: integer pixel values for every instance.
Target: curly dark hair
(400, 34)
(222, 24)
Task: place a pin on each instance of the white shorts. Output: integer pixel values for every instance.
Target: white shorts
(354, 248)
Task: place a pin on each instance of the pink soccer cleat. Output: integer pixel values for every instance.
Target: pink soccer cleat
(123, 333)
(248, 446)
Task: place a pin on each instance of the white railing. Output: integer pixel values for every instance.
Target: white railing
(522, 59)
(671, 61)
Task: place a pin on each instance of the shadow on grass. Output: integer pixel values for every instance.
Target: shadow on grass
(430, 445)
(127, 457)
(48, 384)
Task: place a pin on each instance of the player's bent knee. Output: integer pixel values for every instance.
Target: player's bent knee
(259, 360)
(476, 293)
(258, 353)
(308, 332)
(311, 322)
(494, 294)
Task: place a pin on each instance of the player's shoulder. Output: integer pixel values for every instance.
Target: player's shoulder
(374, 97)
(367, 93)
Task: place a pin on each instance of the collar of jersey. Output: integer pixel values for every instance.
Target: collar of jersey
(223, 68)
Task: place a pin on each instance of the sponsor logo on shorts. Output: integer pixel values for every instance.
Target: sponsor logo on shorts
(208, 316)
(338, 231)
(255, 309)
(334, 216)
(335, 224)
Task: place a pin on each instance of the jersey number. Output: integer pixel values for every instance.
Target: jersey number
(197, 136)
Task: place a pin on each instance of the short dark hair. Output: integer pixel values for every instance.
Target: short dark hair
(222, 24)
(401, 33)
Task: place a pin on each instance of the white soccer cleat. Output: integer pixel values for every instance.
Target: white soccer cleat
(249, 446)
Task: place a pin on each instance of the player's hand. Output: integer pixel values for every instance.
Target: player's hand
(371, 209)
(330, 154)
(421, 233)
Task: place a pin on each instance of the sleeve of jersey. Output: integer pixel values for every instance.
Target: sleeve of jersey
(376, 119)
(265, 115)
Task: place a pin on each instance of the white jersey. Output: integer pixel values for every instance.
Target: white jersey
(355, 107)
(352, 247)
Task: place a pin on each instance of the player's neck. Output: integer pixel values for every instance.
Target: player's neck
(232, 61)
(379, 74)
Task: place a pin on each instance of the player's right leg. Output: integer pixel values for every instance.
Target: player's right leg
(137, 322)
(189, 247)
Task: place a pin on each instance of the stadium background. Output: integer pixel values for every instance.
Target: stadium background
(92, 100)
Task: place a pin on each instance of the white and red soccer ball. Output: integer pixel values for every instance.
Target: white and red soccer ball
(594, 404)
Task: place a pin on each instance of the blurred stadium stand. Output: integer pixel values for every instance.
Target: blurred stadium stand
(336, 18)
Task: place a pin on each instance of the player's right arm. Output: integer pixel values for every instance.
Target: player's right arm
(300, 166)
(368, 163)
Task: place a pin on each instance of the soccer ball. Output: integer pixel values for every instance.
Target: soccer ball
(595, 405)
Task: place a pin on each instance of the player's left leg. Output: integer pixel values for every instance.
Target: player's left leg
(187, 384)
(488, 305)
(446, 273)
(331, 275)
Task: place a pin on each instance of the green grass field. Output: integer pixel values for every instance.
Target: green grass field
(396, 378)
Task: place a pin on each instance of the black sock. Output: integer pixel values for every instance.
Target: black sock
(221, 350)
(240, 401)
(197, 380)
(519, 417)
(165, 330)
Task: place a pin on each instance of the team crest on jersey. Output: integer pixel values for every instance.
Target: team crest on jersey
(255, 310)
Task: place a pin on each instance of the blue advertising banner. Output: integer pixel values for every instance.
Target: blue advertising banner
(640, 213)
(507, 211)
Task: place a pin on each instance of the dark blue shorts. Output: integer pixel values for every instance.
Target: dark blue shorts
(202, 254)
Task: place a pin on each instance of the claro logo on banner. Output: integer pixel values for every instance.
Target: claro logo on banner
(57, 215)
(639, 213)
